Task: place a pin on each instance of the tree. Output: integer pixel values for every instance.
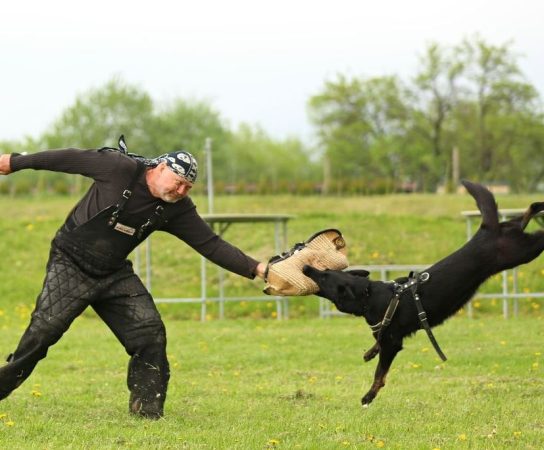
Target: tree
(359, 122)
(184, 124)
(495, 89)
(99, 116)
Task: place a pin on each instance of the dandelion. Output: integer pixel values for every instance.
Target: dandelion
(517, 434)
(538, 353)
(1, 312)
(3, 415)
(312, 379)
(10, 423)
(526, 290)
(462, 437)
(338, 378)
(425, 349)
(415, 366)
(380, 444)
(29, 227)
(503, 342)
(535, 365)
(346, 443)
(535, 305)
(274, 314)
(272, 442)
(476, 304)
(375, 255)
(36, 393)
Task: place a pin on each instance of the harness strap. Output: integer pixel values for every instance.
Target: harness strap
(378, 328)
(152, 221)
(126, 194)
(412, 284)
(422, 315)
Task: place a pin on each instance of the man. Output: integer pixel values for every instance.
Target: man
(130, 198)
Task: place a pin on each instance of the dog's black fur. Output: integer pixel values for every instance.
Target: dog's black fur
(452, 282)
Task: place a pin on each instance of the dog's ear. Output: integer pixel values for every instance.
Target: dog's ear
(359, 272)
(486, 204)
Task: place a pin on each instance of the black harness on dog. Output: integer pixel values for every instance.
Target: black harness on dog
(414, 279)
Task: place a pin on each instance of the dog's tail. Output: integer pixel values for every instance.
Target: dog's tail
(486, 204)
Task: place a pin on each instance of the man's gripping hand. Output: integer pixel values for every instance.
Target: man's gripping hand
(5, 164)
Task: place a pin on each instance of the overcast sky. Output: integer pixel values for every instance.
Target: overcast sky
(255, 62)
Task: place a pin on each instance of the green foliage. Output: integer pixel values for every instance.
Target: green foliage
(472, 96)
(263, 164)
(375, 135)
(99, 116)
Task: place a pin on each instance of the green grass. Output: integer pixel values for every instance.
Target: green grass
(255, 384)
(398, 229)
(245, 384)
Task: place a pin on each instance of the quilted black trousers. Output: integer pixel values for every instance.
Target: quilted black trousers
(125, 305)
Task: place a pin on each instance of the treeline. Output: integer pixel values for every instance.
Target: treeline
(470, 99)
(375, 135)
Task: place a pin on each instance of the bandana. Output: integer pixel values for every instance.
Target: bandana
(180, 162)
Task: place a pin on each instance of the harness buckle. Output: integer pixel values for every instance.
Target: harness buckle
(127, 193)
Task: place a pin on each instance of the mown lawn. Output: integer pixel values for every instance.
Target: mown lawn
(252, 382)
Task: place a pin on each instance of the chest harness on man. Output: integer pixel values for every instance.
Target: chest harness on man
(127, 193)
(414, 279)
(103, 243)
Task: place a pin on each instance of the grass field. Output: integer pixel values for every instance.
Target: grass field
(246, 384)
(256, 384)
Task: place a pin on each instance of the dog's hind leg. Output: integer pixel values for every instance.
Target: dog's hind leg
(388, 351)
(372, 352)
(532, 211)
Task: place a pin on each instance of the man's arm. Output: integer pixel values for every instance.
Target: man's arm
(192, 229)
(89, 163)
(5, 164)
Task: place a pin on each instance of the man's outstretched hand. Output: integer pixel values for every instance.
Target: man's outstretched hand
(260, 270)
(5, 165)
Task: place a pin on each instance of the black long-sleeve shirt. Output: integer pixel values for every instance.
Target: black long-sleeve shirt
(112, 173)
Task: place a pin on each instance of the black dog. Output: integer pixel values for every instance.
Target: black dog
(450, 283)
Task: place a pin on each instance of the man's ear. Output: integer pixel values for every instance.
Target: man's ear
(359, 272)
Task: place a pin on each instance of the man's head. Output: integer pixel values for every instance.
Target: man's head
(173, 176)
(182, 163)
